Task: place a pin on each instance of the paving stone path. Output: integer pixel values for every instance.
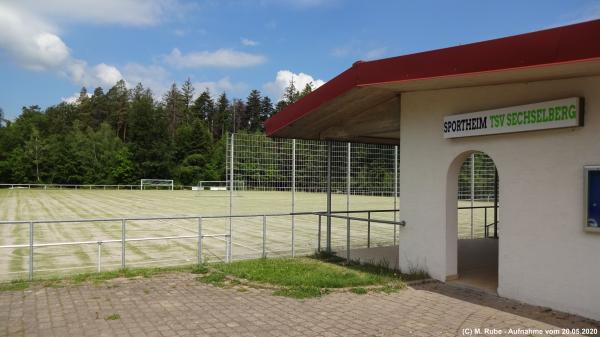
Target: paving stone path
(177, 305)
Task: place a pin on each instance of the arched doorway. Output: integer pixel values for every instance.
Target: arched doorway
(476, 217)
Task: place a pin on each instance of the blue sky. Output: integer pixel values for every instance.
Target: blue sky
(49, 49)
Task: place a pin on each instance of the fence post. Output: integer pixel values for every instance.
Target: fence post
(199, 241)
(348, 177)
(329, 153)
(264, 236)
(348, 240)
(485, 227)
(495, 203)
(472, 189)
(231, 187)
(368, 229)
(123, 243)
(30, 250)
(99, 255)
(319, 235)
(395, 189)
(293, 197)
(228, 248)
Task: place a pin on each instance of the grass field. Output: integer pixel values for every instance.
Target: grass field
(247, 232)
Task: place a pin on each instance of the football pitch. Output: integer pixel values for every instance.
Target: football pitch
(247, 232)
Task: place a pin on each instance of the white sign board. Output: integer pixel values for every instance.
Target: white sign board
(561, 113)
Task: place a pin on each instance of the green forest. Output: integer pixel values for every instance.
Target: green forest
(123, 135)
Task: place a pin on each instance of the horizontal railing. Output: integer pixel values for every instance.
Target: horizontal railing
(486, 225)
(199, 235)
(90, 187)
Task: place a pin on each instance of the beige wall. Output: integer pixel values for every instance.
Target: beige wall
(545, 256)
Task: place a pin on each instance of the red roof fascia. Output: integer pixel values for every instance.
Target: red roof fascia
(557, 45)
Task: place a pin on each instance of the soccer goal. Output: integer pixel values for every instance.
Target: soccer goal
(156, 184)
(220, 185)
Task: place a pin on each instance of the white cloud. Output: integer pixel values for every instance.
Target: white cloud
(106, 75)
(125, 12)
(32, 42)
(220, 86)
(73, 98)
(283, 79)
(154, 77)
(248, 42)
(221, 58)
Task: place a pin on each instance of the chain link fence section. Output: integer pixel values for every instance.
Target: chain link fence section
(362, 177)
(267, 164)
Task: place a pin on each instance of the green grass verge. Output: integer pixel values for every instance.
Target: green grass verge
(14, 285)
(302, 272)
(308, 277)
(304, 277)
(359, 290)
(217, 279)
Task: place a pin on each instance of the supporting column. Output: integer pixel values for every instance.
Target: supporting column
(329, 150)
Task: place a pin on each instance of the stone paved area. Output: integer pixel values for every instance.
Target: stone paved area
(177, 305)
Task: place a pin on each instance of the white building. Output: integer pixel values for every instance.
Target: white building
(547, 253)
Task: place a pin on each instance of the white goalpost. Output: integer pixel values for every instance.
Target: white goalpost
(156, 184)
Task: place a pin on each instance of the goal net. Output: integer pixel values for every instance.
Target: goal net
(156, 184)
(220, 185)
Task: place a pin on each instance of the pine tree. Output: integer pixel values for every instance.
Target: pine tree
(83, 103)
(239, 115)
(204, 108)
(173, 108)
(187, 92)
(308, 88)
(98, 108)
(118, 102)
(252, 116)
(291, 94)
(223, 117)
(266, 110)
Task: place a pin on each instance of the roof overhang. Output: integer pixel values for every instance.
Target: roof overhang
(361, 104)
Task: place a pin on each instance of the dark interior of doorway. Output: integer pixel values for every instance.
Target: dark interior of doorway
(478, 223)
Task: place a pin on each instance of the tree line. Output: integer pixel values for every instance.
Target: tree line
(124, 135)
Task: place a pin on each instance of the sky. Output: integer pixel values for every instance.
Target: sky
(49, 49)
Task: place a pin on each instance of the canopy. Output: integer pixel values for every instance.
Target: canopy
(362, 104)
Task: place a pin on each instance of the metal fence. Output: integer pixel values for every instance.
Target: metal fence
(200, 234)
(297, 165)
(477, 197)
(360, 176)
(89, 187)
